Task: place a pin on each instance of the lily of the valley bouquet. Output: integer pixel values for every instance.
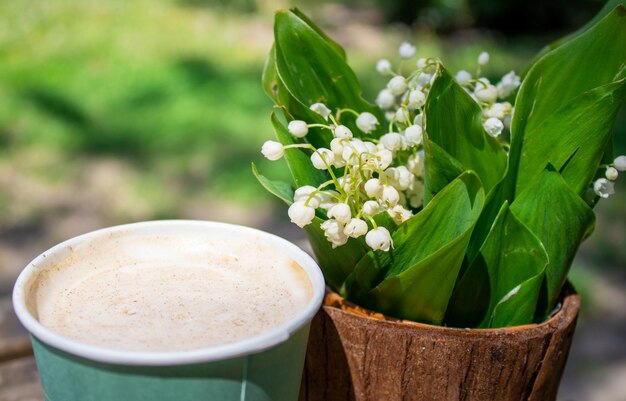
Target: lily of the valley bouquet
(453, 200)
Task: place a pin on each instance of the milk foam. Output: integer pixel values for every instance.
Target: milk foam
(167, 293)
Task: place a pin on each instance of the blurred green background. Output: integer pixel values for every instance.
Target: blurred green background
(117, 111)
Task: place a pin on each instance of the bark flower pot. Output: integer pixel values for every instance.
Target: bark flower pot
(358, 355)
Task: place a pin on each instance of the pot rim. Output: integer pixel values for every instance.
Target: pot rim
(567, 312)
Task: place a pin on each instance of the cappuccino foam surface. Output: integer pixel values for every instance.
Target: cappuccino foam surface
(169, 293)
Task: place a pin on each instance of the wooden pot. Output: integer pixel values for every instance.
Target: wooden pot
(355, 354)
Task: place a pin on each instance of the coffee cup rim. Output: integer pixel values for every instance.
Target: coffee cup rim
(250, 345)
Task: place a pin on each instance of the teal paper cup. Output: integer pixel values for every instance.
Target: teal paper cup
(267, 366)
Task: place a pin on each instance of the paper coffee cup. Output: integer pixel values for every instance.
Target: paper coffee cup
(266, 366)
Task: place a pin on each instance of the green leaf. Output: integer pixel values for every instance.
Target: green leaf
(440, 169)
(470, 298)
(592, 59)
(313, 68)
(428, 252)
(280, 189)
(560, 219)
(454, 124)
(515, 261)
(514, 307)
(336, 263)
(573, 139)
(277, 91)
(269, 77)
(298, 160)
(331, 43)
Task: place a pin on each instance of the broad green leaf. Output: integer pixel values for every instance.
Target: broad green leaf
(276, 90)
(334, 45)
(313, 70)
(269, 77)
(298, 160)
(590, 60)
(454, 124)
(440, 169)
(515, 261)
(513, 308)
(336, 263)
(281, 190)
(428, 252)
(470, 298)
(573, 139)
(560, 219)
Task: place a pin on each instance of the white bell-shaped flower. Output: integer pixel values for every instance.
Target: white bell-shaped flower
(463, 77)
(603, 188)
(383, 67)
(404, 178)
(483, 58)
(485, 92)
(392, 141)
(385, 99)
(303, 194)
(341, 131)
(416, 163)
(507, 85)
(498, 110)
(390, 195)
(321, 157)
(402, 115)
(353, 150)
(371, 207)
(379, 239)
(611, 173)
(372, 187)
(300, 214)
(321, 109)
(298, 128)
(397, 85)
(333, 231)
(384, 157)
(337, 145)
(413, 135)
(620, 163)
(424, 79)
(366, 122)
(355, 228)
(399, 214)
(340, 212)
(273, 150)
(493, 126)
(417, 99)
(406, 50)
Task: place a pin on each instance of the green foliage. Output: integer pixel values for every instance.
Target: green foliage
(453, 123)
(420, 272)
(493, 244)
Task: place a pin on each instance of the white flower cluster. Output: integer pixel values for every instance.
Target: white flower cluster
(497, 113)
(374, 179)
(604, 187)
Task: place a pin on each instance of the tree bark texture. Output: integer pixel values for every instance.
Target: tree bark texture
(357, 355)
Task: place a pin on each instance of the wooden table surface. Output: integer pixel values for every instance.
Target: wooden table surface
(18, 373)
